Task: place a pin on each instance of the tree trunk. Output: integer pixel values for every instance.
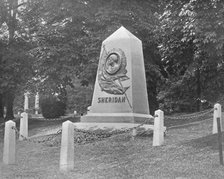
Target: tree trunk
(1, 109)
(198, 89)
(9, 105)
(153, 103)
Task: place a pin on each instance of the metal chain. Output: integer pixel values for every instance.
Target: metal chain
(192, 115)
(53, 119)
(188, 124)
(49, 138)
(87, 136)
(14, 120)
(18, 133)
(90, 136)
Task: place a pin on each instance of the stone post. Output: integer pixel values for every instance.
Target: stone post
(4, 112)
(26, 101)
(23, 126)
(36, 103)
(67, 146)
(134, 133)
(158, 130)
(217, 113)
(9, 151)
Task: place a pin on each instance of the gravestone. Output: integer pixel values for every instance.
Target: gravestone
(120, 93)
(26, 101)
(37, 98)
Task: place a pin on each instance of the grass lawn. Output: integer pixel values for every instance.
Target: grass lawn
(188, 152)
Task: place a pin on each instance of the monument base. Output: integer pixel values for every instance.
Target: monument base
(117, 118)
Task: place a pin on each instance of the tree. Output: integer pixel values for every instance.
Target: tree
(191, 46)
(15, 62)
(70, 34)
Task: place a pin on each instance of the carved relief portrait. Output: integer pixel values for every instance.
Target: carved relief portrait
(112, 71)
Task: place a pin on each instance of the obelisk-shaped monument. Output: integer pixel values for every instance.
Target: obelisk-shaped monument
(120, 92)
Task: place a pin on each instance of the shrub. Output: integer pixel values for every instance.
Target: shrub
(52, 107)
(79, 98)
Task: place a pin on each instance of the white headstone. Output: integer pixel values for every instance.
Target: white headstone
(88, 108)
(36, 103)
(217, 113)
(4, 111)
(9, 151)
(26, 101)
(67, 146)
(23, 126)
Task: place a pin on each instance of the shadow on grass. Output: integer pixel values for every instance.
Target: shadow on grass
(33, 123)
(173, 122)
(210, 141)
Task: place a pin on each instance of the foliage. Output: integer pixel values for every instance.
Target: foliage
(15, 62)
(52, 107)
(45, 45)
(79, 98)
(70, 34)
(191, 47)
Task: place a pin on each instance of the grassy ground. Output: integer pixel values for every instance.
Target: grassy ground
(188, 152)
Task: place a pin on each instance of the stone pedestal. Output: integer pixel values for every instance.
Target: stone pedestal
(120, 93)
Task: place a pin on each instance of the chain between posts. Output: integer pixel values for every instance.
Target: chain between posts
(14, 120)
(41, 119)
(192, 115)
(88, 135)
(101, 134)
(53, 119)
(36, 141)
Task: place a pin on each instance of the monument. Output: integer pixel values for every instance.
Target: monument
(120, 92)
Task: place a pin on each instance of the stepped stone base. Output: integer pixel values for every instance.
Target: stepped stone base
(117, 118)
(109, 126)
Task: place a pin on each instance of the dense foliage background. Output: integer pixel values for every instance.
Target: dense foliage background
(52, 46)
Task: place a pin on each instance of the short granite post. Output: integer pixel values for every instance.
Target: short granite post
(9, 151)
(158, 131)
(23, 126)
(217, 113)
(67, 146)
